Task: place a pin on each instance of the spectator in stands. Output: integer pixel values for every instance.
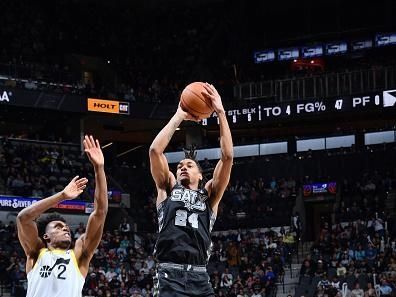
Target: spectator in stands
(225, 282)
(296, 225)
(371, 254)
(269, 276)
(370, 292)
(111, 274)
(385, 288)
(324, 283)
(360, 254)
(357, 291)
(257, 293)
(125, 228)
(233, 255)
(341, 269)
(379, 226)
(227, 274)
(306, 269)
(321, 268)
(336, 284)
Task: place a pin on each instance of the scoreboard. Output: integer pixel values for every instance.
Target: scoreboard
(247, 113)
(257, 113)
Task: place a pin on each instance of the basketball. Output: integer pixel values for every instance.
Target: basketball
(193, 102)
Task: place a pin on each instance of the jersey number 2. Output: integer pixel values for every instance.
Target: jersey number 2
(181, 219)
(63, 268)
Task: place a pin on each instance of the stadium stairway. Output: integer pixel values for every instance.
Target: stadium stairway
(5, 291)
(289, 281)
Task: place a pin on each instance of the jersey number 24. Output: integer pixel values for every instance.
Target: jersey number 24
(182, 218)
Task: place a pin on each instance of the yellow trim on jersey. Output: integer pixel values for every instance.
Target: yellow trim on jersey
(58, 251)
(41, 253)
(74, 259)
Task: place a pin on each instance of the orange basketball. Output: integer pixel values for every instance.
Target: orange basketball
(193, 102)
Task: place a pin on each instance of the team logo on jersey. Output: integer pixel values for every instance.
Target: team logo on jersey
(45, 270)
(192, 199)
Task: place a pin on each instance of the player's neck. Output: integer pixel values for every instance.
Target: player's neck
(191, 186)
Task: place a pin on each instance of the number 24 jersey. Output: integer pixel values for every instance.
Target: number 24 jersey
(185, 221)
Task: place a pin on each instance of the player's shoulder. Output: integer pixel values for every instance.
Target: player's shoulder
(34, 257)
(34, 252)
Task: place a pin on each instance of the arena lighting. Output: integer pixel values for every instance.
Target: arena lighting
(107, 145)
(128, 151)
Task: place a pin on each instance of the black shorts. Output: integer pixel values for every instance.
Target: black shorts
(174, 280)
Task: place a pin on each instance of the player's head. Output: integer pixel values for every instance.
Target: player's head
(189, 172)
(54, 231)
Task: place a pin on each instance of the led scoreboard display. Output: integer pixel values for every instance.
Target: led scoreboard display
(285, 54)
(312, 51)
(336, 48)
(264, 56)
(385, 100)
(320, 189)
(385, 39)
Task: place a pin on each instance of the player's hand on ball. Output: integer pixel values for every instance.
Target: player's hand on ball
(212, 94)
(74, 188)
(185, 115)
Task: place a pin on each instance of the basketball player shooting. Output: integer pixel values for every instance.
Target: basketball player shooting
(53, 268)
(186, 211)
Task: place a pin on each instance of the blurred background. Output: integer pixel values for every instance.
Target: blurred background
(309, 88)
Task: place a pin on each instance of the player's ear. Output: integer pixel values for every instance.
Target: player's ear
(46, 237)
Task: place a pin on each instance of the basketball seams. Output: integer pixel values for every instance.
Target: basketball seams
(188, 101)
(192, 109)
(200, 98)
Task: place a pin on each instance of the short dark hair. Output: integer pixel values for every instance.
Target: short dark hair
(43, 222)
(191, 154)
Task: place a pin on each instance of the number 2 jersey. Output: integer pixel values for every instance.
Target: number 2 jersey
(185, 221)
(55, 274)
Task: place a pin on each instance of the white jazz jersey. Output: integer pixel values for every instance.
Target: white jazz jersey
(55, 274)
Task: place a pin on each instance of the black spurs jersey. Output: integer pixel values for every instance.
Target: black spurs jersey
(185, 221)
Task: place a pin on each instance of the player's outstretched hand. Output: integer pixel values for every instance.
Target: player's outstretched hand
(74, 188)
(93, 150)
